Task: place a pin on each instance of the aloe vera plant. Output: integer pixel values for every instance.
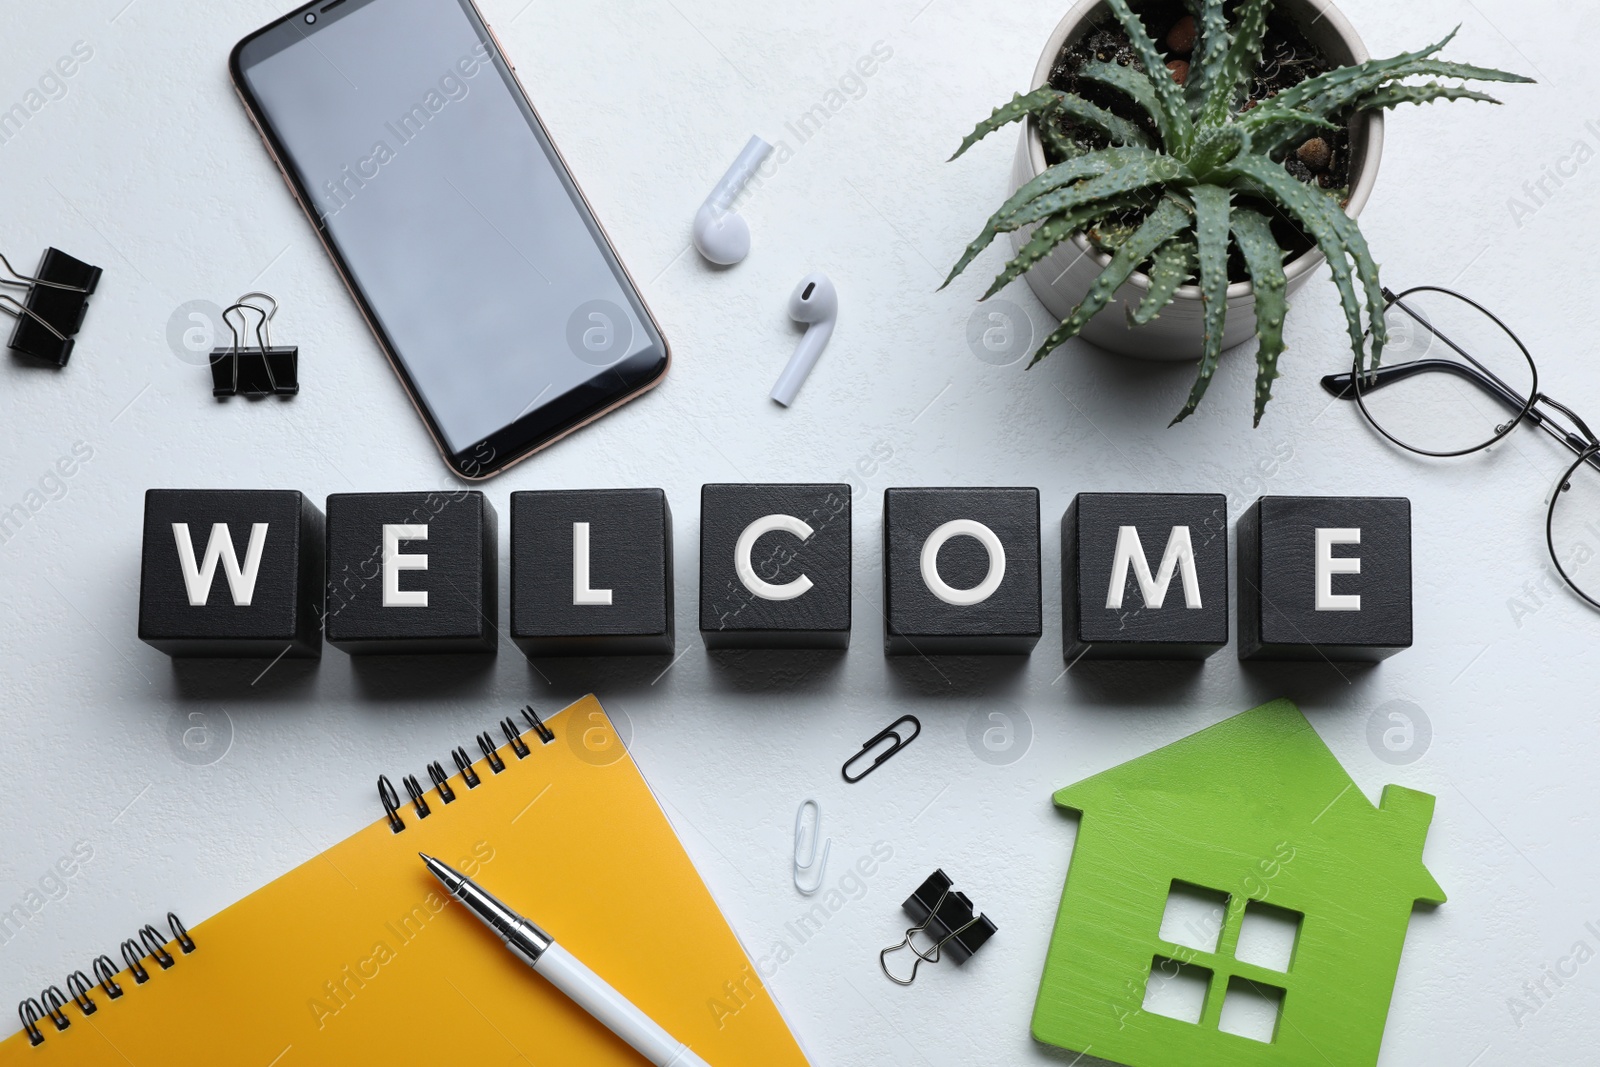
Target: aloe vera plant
(1198, 171)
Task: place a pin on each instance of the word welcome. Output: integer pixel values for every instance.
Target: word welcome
(591, 572)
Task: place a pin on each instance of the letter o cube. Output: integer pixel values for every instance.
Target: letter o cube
(961, 571)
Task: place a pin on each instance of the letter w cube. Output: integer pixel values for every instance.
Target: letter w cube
(231, 572)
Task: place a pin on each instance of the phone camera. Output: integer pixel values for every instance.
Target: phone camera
(311, 16)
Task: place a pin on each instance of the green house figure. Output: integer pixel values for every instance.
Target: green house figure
(1233, 900)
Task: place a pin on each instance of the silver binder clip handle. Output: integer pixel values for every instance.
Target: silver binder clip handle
(934, 954)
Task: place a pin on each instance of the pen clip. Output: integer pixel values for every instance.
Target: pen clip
(888, 732)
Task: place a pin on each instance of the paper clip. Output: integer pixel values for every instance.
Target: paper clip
(258, 371)
(947, 918)
(803, 864)
(891, 731)
(52, 309)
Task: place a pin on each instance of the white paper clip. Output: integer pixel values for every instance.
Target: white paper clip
(805, 859)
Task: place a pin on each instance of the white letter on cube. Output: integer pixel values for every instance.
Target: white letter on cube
(581, 593)
(197, 576)
(1328, 565)
(745, 568)
(394, 563)
(1178, 558)
(963, 598)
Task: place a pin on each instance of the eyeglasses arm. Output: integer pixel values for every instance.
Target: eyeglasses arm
(1343, 386)
(1581, 440)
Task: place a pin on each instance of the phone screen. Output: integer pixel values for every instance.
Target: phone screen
(475, 257)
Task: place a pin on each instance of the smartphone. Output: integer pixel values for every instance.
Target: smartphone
(401, 129)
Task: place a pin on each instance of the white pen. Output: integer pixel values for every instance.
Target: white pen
(564, 971)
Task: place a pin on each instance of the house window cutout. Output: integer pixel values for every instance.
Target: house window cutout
(1267, 937)
(1251, 1010)
(1176, 990)
(1194, 917)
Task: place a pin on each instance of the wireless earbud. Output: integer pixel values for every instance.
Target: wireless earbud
(816, 303)
(721, 235)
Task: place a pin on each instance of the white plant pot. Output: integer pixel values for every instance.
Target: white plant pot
(1062, 279)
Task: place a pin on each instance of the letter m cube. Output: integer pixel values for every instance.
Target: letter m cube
(1144, 576)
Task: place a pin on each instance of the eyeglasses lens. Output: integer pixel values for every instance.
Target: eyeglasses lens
(1451, 378)
(1575, 527)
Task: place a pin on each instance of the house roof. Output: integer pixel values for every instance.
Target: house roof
(1264, 767)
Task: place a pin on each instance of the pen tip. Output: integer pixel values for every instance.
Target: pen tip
(452, 880)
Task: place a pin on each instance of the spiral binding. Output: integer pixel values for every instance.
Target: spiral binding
(78, 985)
(105, 973)
(464, 765)
(441, 782)
(514, 737)
(133, 958)
(390, 798)
(414, 791)
(546, 734)
(54, 1000)
(486, 746)
(51, 1005)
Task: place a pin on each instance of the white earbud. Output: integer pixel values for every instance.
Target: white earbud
(816, 303)
(721, 235)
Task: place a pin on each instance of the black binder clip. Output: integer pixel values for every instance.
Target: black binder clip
(259, 371)
(944, 917)
(51, 312)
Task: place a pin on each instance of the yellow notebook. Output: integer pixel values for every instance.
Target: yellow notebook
(357, 956)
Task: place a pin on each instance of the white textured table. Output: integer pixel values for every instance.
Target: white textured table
(146, 165)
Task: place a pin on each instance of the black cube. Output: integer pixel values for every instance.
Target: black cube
(1144, 576)
(591, 572)
(412, 572)
(231, 572)
(775, 566)
(961, 571)
(1324, 578)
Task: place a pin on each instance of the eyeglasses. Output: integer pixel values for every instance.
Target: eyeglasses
(1456, 380)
